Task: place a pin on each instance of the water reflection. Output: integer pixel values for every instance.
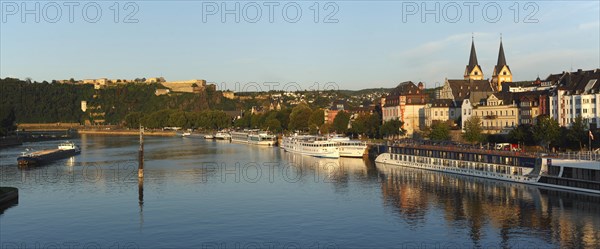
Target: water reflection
(515, 211)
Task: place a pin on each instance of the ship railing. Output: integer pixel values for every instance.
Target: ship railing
(579, 155)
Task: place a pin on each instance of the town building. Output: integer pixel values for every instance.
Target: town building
(577, 94)
(406, 103)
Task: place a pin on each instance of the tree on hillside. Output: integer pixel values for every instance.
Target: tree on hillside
(7, 121)
(473, 130)
(546, 130)
(132, 120)
(299, 117)
(340, 122)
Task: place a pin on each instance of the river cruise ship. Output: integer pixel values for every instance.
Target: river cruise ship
(239, 137)
(348, 147)
(262, 138)
(577, 174)
(311, 146)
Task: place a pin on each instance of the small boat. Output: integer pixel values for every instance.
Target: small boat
(64, 150)
(209, 136)
(185, 134)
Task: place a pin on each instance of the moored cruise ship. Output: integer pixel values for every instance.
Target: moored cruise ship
(571, 174)
(262, 138)
(350, 148)
(239, 136)
(311, 146)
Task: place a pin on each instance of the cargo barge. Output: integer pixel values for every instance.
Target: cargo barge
(64, 150)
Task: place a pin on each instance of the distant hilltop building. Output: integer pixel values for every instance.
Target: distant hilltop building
(191, 86)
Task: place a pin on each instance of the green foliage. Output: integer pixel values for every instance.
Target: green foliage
(366, 124)
(546, 130)
(522, 134)
(132, 120)
(440, 131)
(7, 120)
(578, 132)
(299, 117)
(317, 118)
(392, 128)
(473, 130)
(340, 122)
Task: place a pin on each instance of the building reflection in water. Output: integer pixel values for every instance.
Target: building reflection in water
(569, 220)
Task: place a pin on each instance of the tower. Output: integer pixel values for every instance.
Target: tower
(501, 70)
(473, 70)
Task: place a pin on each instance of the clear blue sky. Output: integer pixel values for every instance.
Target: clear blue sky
(370, 45)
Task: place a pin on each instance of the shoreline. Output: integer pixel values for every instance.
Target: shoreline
(127, 133)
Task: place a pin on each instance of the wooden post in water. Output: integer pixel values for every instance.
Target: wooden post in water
(141, 154)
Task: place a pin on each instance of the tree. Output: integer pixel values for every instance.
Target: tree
(473, 130)
(317, 118)
(7, 121)
(299, 117)
(440, 131)
(577, 133)
(340, 122)
(132, 120)
(272, 125)
(325, 128)
(522, 134)
(546, 130)
(392, 128)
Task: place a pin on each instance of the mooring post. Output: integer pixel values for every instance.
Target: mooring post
(141, 154)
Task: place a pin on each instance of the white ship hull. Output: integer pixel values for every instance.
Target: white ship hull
(451, 166)
(324, 149)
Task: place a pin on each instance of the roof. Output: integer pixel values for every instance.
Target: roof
(581, 81)
(462, 88)
(472, 58)
(443, 103)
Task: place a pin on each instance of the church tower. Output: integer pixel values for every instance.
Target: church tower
(501, 70)
(473, 70)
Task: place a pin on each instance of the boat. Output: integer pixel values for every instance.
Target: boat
(222, 136)
(348, 147)
(185, 134)
(262, 138)
(209, 136)
(239, 137)
(64, 150)
(581, 174)
(310, 145)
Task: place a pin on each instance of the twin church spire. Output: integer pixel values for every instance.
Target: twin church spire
(501, 72)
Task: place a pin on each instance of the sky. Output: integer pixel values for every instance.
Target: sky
(343, 44)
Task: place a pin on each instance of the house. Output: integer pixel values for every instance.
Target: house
(406, 102)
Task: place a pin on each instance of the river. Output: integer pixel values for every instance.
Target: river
(215, 194)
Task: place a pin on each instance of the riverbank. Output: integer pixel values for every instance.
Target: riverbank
(9, 197)
(127, 133)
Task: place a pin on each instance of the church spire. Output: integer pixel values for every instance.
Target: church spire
(501, 58)
(473, 70)
(502, 72)
(473, 57)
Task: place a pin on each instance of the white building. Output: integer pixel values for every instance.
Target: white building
(578, 94)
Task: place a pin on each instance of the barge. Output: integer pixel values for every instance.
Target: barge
(64, 150)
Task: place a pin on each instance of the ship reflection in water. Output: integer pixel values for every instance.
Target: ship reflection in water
(512, 210)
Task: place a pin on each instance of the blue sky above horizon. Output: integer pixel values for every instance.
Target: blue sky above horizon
(370, 45)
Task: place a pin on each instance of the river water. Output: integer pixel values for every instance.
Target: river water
(215, 194)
